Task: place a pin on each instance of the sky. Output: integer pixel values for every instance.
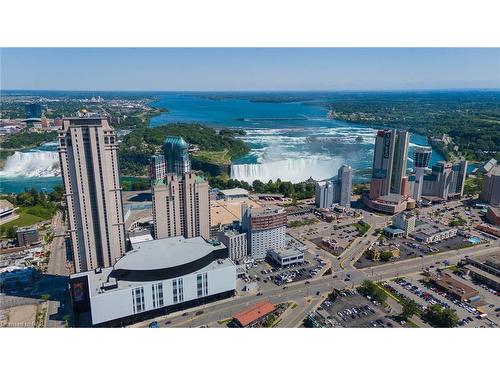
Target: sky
(240, 69)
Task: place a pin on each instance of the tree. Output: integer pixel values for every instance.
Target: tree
(385, 256)
(11, 232)
(369, 288)
(441, 318)
(410, 308)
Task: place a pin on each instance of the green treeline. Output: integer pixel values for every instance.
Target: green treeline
(144, 141)
(301, 190)
(471, 119)
(27, 139)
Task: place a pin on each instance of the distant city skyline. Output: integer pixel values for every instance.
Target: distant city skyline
(249, 69)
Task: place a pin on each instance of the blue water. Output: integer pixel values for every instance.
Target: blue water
(291, 141)
(474, 240)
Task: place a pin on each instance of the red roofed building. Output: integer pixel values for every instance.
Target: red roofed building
(254, 315)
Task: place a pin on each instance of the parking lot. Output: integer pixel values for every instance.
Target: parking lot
(351, 310)
(426, 295)
(267, 275)
(409, 248)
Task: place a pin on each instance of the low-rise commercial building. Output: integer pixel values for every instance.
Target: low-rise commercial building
(483, 277)
(286, 257)
(374, 252)
(493, 215)
(454, 288)
(390, 203)
(230, 194)
(254, 315)
(140, 236)
(489, 229)
(6, 211)
(154, 278)
(485, 270)
(26, 236)
(430, 233)
(393, 232)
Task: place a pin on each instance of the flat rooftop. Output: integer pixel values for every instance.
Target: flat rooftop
(430, 229)
(288, 252)
(267, 211)
(225, 212)
(234, 192)
(485, 274)
(449, 283)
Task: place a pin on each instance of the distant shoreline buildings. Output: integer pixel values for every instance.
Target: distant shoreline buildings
(339, 191)
(393, 191)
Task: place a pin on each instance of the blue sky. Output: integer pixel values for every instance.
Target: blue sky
(172, 69)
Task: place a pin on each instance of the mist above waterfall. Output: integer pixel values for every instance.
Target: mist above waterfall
(32, 164)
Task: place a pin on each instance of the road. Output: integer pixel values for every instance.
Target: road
(57, 266)
(300, 292)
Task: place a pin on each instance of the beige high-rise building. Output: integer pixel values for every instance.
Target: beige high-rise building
(89, 164)
(181, 207)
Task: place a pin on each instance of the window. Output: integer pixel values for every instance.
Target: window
(138, 299)
(157, 293)
(199, 284)
(174, 289)
(206, 284)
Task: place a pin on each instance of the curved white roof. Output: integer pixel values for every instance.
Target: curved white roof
(165, 253)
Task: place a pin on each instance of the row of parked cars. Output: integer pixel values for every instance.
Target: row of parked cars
(355, 312)
(456, 302)
(429, 298)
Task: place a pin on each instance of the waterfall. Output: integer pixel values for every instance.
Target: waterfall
(32, 164)
(294, 170)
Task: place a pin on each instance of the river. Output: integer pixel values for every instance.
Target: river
(291, 141)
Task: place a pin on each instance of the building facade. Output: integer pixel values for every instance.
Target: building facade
(286, 257)
(430, 233)
(490, 192)
(236, 243)
(181, 206)
(338, 191)
(404, 221)
(446, 180)
(155, 278)
(89, 165)
(157, 168)
(177, 155)
(27, 236)
(265, 228)
(345, 185)
(421, 160)
(389, 163)
(324, 194)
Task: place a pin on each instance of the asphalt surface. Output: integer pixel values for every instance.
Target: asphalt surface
(299, 291)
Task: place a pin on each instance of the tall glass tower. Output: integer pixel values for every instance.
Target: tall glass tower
(176, 155)
(421, 160)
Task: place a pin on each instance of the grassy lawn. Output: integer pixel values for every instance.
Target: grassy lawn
(299, 223)
(361, 228)
(23, 220)
(411, 324)
(214, 157)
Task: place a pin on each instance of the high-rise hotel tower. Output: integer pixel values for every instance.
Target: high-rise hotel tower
(89, 164)
(389, 164)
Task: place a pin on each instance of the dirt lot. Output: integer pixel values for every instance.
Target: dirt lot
(19, 316)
